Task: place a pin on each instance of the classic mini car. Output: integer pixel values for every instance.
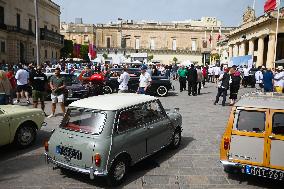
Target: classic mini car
(19, 124)
(253, 142)
(160, 85)
(104, 135)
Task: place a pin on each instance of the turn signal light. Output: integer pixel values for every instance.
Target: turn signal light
(226, 143)
(97, 159)
(46, 146)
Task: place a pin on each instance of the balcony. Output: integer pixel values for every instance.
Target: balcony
(51, 36)
(3, 27)
(19, 30)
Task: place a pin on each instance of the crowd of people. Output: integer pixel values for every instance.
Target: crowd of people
(27, 81)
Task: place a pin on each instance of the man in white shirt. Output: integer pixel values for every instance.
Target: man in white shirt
(217, 73)
(144, 81)
(210, 74)
(123, 81)
(22, 77)
(279, 80)
(246, 75)
(259, 79)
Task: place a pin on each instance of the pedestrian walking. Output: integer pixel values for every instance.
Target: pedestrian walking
(205, 76)
(174, 71)
(259, 79)
(210, 74)
(182, 73)
(38, 82)
(223, 86)
(217, 73)
(22, 77)
(57, 86)
(235, 82)
(11, 77)
(5, 88)
(246, 76)
(279, 80)
(200, 79)
(192, 80)
(144, 80)
(268, 80)
(123, 80)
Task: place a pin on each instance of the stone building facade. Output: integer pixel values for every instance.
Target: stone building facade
(17, 31)
(185, 40)
(257, 37)
(79, 33)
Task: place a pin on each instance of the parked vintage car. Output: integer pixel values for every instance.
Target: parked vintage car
(104, 135)
(160, 85)
(253, 142)
(19, 124)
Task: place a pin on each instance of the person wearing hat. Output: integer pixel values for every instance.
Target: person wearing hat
(279, 80)
(223, 86)
(144, 80)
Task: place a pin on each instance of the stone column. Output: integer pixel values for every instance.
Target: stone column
(236, 50)
(242, 50)
(271, 51)
(260, 51)
(230, 51)
(251, 47)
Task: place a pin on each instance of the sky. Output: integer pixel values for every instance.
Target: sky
(104, 11)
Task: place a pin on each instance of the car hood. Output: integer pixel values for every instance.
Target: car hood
(17, 109)
(76, 87)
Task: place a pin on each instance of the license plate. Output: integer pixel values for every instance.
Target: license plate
(263, 172)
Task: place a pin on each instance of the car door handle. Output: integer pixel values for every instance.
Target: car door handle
(271, 137)
(150, 127)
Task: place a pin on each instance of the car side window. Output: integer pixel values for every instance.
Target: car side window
(250, 121)
(278, 124)
(153, 112)
(129, 119)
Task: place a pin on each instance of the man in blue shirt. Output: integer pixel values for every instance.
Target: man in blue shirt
(268, 80)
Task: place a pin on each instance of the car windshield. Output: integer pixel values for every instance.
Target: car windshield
(71, 79)
(84, 120)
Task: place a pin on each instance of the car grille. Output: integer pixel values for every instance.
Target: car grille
(69, 153)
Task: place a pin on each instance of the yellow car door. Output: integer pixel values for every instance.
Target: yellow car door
(4, 129)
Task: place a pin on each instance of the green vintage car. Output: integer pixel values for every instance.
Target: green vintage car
(104, 135)
(18, 124)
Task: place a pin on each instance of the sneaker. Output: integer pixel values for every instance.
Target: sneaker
(51, 115)
(28, 102)
(16, 101)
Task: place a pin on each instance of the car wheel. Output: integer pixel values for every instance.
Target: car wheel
(162, 91)
(107, 90)
(25, 136)
(176, 139)
(118, 172)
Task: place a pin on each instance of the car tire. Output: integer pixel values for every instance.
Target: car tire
(118, 171)
(107, 90)
(162, 91)
(176, 139)
(25, 136)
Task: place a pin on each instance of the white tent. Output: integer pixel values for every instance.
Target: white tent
(186, 63)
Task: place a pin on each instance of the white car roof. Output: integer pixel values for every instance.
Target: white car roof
(112, 101)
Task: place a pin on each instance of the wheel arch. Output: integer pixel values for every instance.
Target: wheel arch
(121, 155)
(21, 124)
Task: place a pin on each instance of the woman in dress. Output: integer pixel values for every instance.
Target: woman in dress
(5, 88)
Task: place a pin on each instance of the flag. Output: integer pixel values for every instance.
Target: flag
(270, 5)
(204, 44)
(219, 34)
(210, 38)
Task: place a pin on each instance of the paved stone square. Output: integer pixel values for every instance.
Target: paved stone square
(195, 165)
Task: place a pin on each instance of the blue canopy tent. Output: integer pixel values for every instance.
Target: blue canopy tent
(241, 61)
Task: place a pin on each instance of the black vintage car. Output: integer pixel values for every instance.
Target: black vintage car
(160, 85)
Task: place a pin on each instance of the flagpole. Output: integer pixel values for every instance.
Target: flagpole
(277, 28)
(253, 6)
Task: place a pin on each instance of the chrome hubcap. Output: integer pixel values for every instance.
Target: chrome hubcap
(162, 91)
(107, 89)
(119, 171)
(25, 135)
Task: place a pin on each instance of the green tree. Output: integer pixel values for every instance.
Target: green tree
(150, 57)
(84, 52)
(67, 50)
(175, 59)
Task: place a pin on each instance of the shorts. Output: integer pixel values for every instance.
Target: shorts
(38, 95)
(141, 90)
(21, 88)
(57, 98)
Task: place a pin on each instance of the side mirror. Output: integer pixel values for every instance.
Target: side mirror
(176, 109)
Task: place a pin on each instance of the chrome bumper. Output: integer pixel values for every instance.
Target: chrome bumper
(237, 166)
(88, 171)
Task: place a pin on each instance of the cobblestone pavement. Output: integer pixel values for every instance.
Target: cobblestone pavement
(194, 165)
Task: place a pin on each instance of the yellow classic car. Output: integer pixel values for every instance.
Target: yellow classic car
(18, 124)
(253, 142)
